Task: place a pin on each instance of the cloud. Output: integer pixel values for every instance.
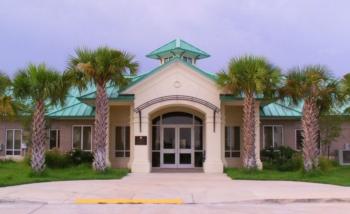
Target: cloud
(287, 32)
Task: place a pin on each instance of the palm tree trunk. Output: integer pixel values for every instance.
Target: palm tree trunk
(38, 138)
(100, 134)
(249, 157)
(310, 127)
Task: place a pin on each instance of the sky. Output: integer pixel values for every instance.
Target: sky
(287, 32)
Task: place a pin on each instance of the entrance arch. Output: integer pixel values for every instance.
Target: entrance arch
(177, 140)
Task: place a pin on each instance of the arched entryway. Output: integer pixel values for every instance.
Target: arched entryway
(177, 140)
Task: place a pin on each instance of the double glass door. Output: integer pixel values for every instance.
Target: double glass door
(177, 147)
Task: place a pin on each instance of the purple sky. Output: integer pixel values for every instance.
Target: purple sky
(288, 32)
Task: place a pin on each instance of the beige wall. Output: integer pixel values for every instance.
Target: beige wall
(340, 142)
(118, 116)
(4, 125)
(289, 127)
(65, 127)
(232, 117)
(177, 79)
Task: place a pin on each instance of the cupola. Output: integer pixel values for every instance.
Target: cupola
(178, 48)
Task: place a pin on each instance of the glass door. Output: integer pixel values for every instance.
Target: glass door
(185, 147)
(168, 153)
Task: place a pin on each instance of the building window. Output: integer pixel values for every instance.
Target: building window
(232, 141)
(273, 136)
(122, 141)
(167, 59)
(54, 138)
(299, 139)
(187, 59)
(82, 137)
(13, 141)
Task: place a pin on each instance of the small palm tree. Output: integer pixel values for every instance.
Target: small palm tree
(250, 76)
(314, 86)
(8, 108)
(38, 84)
(99, 67)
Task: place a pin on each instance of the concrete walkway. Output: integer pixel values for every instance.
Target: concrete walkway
(195, 189)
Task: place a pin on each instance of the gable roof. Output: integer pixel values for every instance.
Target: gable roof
(175, 46)
(140, 78)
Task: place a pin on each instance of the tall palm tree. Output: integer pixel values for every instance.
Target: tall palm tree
(345, 90)
(99, 67)
(8, 108)
(315, 87)
(250, 76)
(38, 85)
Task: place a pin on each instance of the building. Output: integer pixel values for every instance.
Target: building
(174, 116)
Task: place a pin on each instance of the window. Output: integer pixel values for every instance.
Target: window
(167, 59)
(13, 141)
(299, 139)
(273, 136)
(82, 137)
(187, 59)
(232, 141)
(122, 141)
(54, 138)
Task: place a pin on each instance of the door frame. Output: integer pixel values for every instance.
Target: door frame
(177, 150)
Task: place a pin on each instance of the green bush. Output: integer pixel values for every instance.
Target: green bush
(55, 159)
(325, 164)
(80, 157)
(281, 158)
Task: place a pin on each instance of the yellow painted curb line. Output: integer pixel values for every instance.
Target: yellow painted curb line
(128, 201)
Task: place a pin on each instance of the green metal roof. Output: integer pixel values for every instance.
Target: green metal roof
(276, 109)
(177, 46)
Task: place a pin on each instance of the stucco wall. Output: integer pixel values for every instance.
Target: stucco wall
(4, 125)
(289, 127)
(176, 79)
(65, 127)
(232, 117)
(119, 116)
(340, 142)
(289, 134)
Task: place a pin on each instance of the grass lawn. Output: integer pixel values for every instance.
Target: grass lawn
(337, 175)
(14, 173)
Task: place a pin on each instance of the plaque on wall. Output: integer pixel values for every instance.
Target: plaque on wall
(140, 140)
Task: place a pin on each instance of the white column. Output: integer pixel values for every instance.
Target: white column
(213, 161)
(141, 155)
(257, 136)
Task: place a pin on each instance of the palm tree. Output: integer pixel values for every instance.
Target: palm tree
(8, 108)
(38, 85)
(250, 76)
(345, 89)
(314, 86)
(99, 67)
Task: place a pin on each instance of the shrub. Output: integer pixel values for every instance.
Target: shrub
(80, 157)
(281, 158)
(55, 159)
(325, 164)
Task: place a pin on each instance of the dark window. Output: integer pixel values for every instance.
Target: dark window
(273, 136)
(82, 137)
(300, 139)
(13, 141)
(122, 141)
(232, 141)
(177, 118)
(54, 138)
